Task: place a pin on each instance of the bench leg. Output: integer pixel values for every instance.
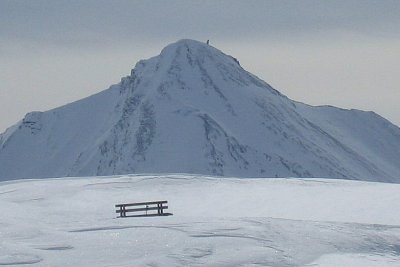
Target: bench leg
(161, 209)
(120, 211)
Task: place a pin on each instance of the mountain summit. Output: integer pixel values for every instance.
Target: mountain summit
(194, 109)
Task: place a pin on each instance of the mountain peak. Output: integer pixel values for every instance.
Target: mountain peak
(188, 44)
(194, 109)
(191, 50)
(190, 64)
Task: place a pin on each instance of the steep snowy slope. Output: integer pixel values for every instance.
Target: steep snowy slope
(193, 109)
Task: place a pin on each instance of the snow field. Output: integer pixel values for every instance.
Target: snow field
(216, 222)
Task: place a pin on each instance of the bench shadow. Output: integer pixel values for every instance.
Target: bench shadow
(148, 215)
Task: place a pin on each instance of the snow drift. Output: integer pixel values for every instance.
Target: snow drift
(194, 109)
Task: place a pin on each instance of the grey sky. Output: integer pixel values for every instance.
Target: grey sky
(343, 53)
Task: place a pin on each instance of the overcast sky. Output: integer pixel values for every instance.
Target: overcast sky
(342, 53)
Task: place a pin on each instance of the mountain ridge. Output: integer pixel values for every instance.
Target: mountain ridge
(194, 109)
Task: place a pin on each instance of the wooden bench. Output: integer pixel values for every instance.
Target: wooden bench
(159, 206)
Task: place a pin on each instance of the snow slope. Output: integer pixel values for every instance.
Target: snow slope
(215, 222)
(194, 109)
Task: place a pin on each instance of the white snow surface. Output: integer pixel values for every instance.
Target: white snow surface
(215, 222)
(194, 109)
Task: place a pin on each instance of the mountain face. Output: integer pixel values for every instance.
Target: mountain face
(193, 109)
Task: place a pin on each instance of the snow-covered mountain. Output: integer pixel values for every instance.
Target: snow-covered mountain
(194, 109)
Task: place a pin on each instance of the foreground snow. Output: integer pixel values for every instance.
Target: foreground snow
(216, 222)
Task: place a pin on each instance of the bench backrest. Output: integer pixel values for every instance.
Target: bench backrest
(141, 203)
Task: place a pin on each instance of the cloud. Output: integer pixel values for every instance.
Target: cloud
(98, 22)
